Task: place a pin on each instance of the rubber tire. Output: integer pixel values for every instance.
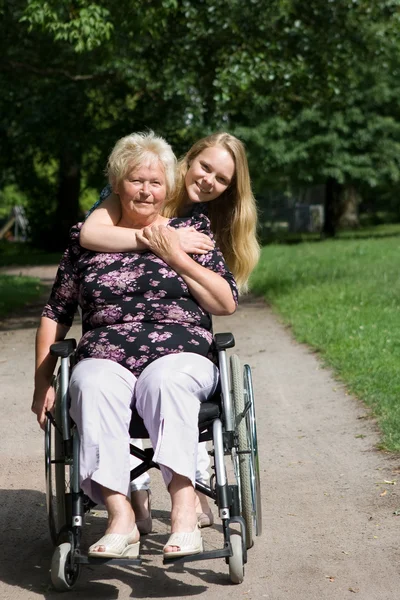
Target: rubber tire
(56, 505)
(254, 462)
(60, 578)
(236, 563)
(243, 445)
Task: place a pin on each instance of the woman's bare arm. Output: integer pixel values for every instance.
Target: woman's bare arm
(43, 396)
(211, 291)
(101, 233)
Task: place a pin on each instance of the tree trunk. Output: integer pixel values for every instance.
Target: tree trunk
(332, 199)
(69, 184)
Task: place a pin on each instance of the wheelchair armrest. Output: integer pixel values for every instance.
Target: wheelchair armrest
(223, 341)
(63, 349)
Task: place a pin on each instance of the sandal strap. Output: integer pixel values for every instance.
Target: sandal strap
(205, 519)
(186, 540)
(116, 542)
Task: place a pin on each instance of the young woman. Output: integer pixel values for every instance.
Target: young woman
(213, 180)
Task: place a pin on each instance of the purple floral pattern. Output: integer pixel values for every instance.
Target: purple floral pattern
(135, 308)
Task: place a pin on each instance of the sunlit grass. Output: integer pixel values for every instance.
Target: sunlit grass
(343, 298)
(16, 253)
(283, 236)
(16, 291)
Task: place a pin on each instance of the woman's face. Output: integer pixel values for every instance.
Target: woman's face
(142, 192)
(209, 174)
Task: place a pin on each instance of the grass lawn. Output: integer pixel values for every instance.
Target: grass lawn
(18, 254)
(16, 291)
(343, 298)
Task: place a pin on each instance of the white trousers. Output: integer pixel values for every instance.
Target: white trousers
(168, 395)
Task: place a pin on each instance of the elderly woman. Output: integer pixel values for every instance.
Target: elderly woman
(146, 339)
(213, 181)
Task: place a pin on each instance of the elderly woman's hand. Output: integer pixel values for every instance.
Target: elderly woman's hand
(162, 240)
(193, 241)
(43, 401)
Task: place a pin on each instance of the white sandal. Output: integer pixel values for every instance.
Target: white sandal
(117, 545)
(189, 542)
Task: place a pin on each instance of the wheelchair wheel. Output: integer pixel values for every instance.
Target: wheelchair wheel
(236, 565)
(63, 574)
(244, 456)
(254, 462)
(55, 474)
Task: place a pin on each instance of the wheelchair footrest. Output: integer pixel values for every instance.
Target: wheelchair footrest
(84, 559)
(224, 552)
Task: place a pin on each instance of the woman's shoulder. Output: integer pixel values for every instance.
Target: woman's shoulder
(200, 222)
(75, 231)
(196, 217)
(73, 242)
(105, 192)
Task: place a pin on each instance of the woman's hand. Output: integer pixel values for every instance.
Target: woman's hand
(162, 240)
(194, 242)
(43, 401)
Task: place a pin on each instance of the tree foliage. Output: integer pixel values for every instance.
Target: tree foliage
(311, 87)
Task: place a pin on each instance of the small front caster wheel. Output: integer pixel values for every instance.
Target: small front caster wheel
(236, 563)
(64, 575)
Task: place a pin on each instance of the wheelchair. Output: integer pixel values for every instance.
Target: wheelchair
(227, 420)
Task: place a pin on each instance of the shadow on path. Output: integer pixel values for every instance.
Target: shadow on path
(26, 551)
(27, 317)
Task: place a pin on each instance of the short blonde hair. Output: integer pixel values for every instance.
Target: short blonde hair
(133, 150)
(233, 214)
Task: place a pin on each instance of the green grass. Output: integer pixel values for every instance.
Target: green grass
(373, 231)
(16, 291)
(282, 236)
(343, 298)
(17, 254)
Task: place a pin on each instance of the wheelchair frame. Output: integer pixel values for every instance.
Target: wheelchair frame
(228, 420)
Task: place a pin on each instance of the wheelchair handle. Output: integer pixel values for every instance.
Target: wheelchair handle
(223, 341)
(63, 349)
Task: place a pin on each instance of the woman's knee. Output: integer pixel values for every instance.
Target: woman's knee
(187, 371)
(93, 374)
(86, 374)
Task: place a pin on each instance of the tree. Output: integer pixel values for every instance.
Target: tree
(339, 124)
(73, 90)
(308, 86)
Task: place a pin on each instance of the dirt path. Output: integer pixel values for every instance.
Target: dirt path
(329, 528)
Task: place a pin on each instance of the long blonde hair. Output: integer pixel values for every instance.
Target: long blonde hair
(233, 214)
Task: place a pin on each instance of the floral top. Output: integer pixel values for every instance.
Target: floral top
(135, 308)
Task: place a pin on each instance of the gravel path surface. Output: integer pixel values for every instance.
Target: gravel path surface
(329, 497)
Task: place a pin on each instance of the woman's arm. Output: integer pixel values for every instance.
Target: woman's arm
(211, 291)
(48, 333)
(57, 317)
(101, 233)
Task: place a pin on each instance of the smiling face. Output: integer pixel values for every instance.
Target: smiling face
(209, 175)
(142, 193)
